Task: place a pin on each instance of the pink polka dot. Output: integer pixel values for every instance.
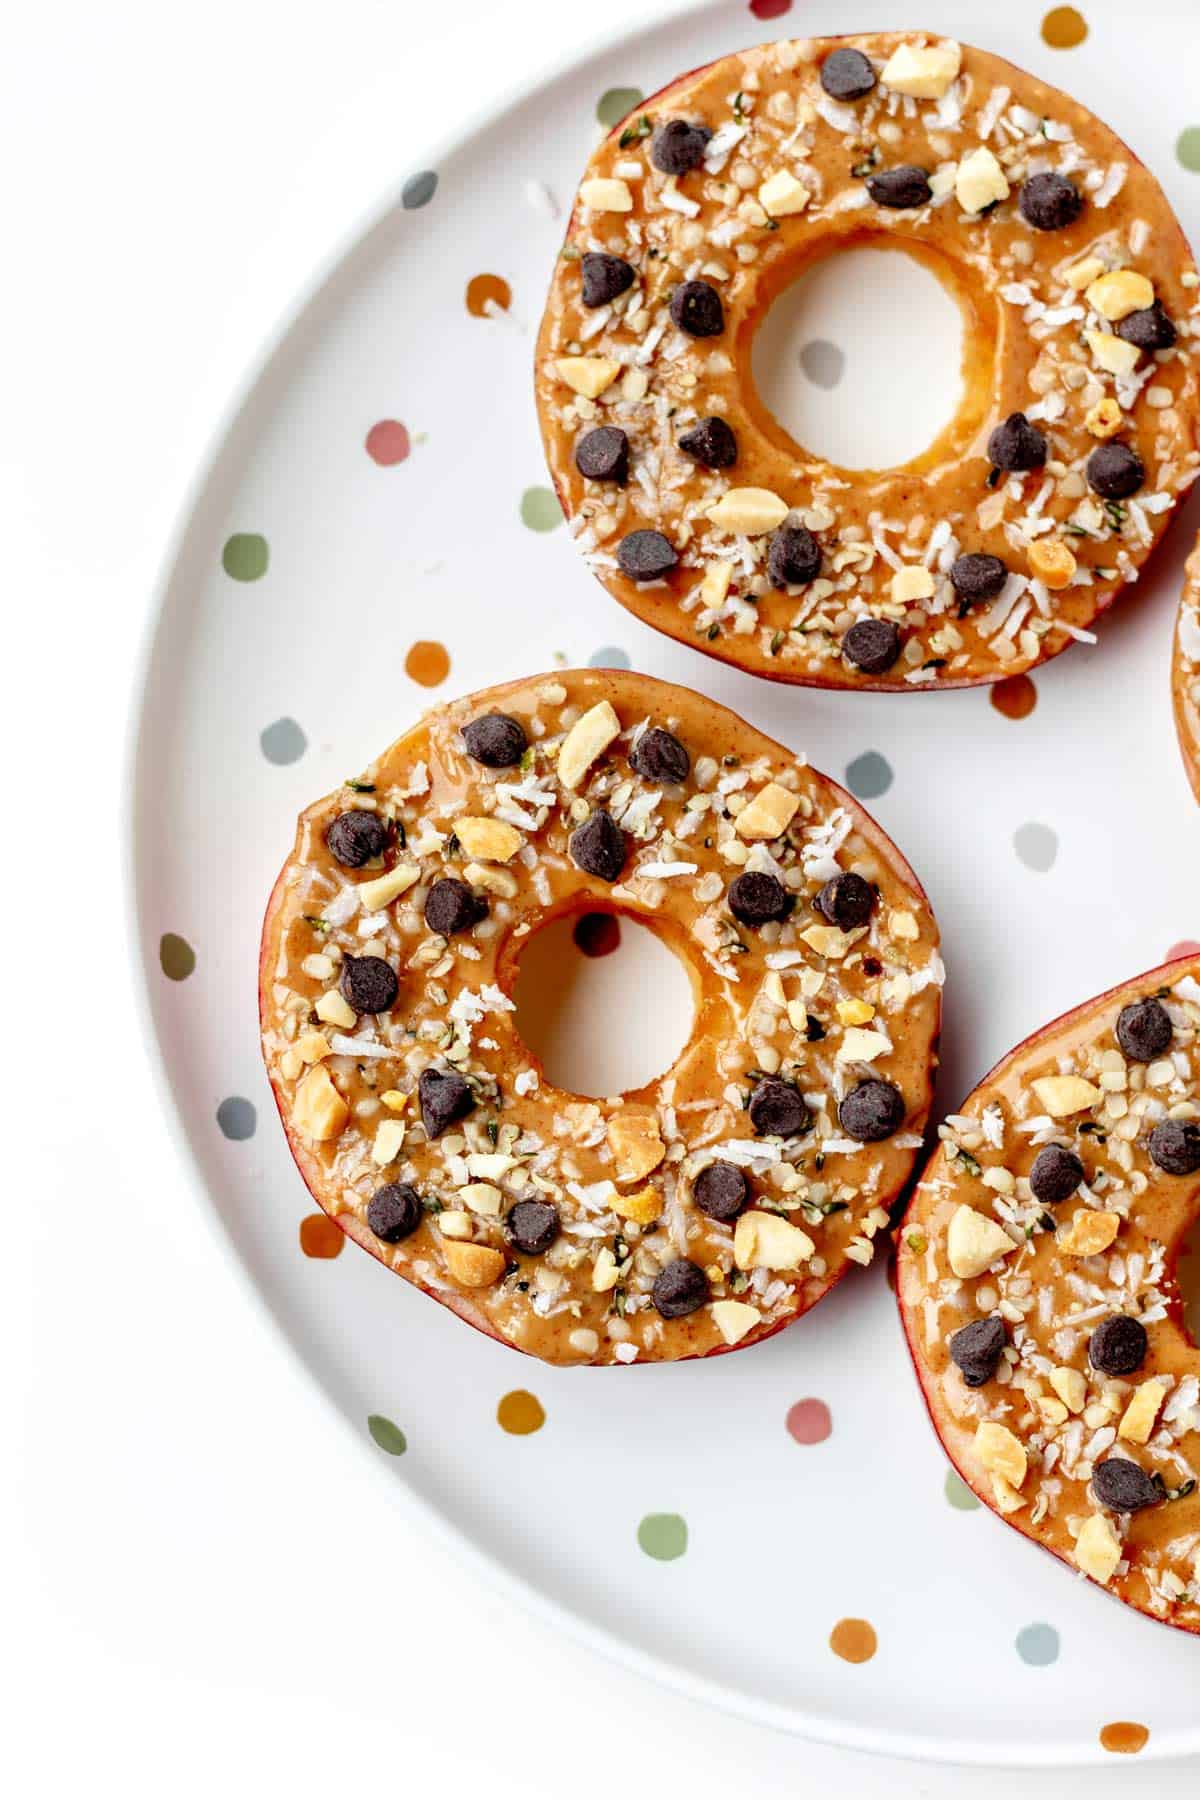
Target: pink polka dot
(388, 443)
(1185, 947)
(770, 9)
(809, 1422)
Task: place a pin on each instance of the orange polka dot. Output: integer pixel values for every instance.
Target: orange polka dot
(427, 663)
(1124, 1738)
(520, 1412)
(1063, 28)
(854, 1640)
(321, 1237)
(485, 292)
(1014, 698)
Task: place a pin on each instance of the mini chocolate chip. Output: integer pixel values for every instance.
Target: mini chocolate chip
(445, 1098)
(659, 756)
(394, 1212)
(872, 645)
(645, 556)
(794, 556)
(777, 1110)
(722, 1191)
(1114, 471)
(757, 898)
(1124, 1487)
(1150, 328)
(1049, 202)
(1118, 1345)
(977, 576)
(872, 1111)
(847, 75)
(678, 146)
(496, 740)
(696, 308)
(846, 901)
(533, 1226)
(1017, 445)
(680, 1288)
(604, 277)
(710, 442)
(598, 846)
(1144, 1029)
(1175, 1147)
(1055, 1174)
(368, 984)
(903, 187)
(355, 837)
(450, 906)
(603, 455)
(977, 1349)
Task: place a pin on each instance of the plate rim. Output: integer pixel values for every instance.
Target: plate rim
(795, 1721)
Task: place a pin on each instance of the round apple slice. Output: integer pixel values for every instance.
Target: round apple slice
(1185, 671)
(1036, 1279)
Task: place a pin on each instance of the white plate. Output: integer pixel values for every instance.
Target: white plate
(783, 1540)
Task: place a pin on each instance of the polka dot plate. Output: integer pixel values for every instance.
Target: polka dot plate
(775, 1531)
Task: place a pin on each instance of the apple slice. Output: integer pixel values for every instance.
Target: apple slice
(1185, 671)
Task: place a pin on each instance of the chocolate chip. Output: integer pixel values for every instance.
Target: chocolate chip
(678, 146)
(496, 740)
(1017, 445)
(598, 846)
(696, 308)
(977, 1350)
(722, 1191)
(1175, 1147)
(445, 1098)
(659, 756)
(872, 1111)
(394, 1212)
(846, 901)
(1150, 328)
(710, 442)
(450, 906)
(1055, 1174)
(1118, 1345)
(533, 1226)
(604, 277)
(369, 984)
(872, 645)
(1144, 1029)
(680, 1288)
(1114, 471)
(645, 556)
(1124, 1487)
(847, 75)
(976, 576)
(603, 455)
(777, 1110)
(794, 556)
(355, 837)
(757, 898)
(899, 188)
(1049, 202)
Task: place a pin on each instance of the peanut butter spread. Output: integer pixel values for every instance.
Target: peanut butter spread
(1077, 432)
(1036, 1282)
(702, 1211)
(1185, 671)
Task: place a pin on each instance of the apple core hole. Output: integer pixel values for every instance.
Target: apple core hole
(861, 358)
(604, 1011)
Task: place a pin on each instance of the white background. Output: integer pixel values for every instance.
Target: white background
(201, 1592)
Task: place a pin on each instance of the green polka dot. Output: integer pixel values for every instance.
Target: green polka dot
(663, 1536)
(419, 190)
(959, 1494)
(869, 775)
(245, 556)
(389, 1437)
(176, 957)
(1038, 1645)
(1187, 148)
(540, 509)
(614, 103)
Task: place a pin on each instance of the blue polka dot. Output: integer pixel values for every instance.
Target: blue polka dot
(609, 658)
(283, 742)
(1036, 846)
(1037, 1645)
(237, 1118)
(869, 775)
(419, 190)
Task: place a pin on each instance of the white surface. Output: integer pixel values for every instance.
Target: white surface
(208, 1591)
